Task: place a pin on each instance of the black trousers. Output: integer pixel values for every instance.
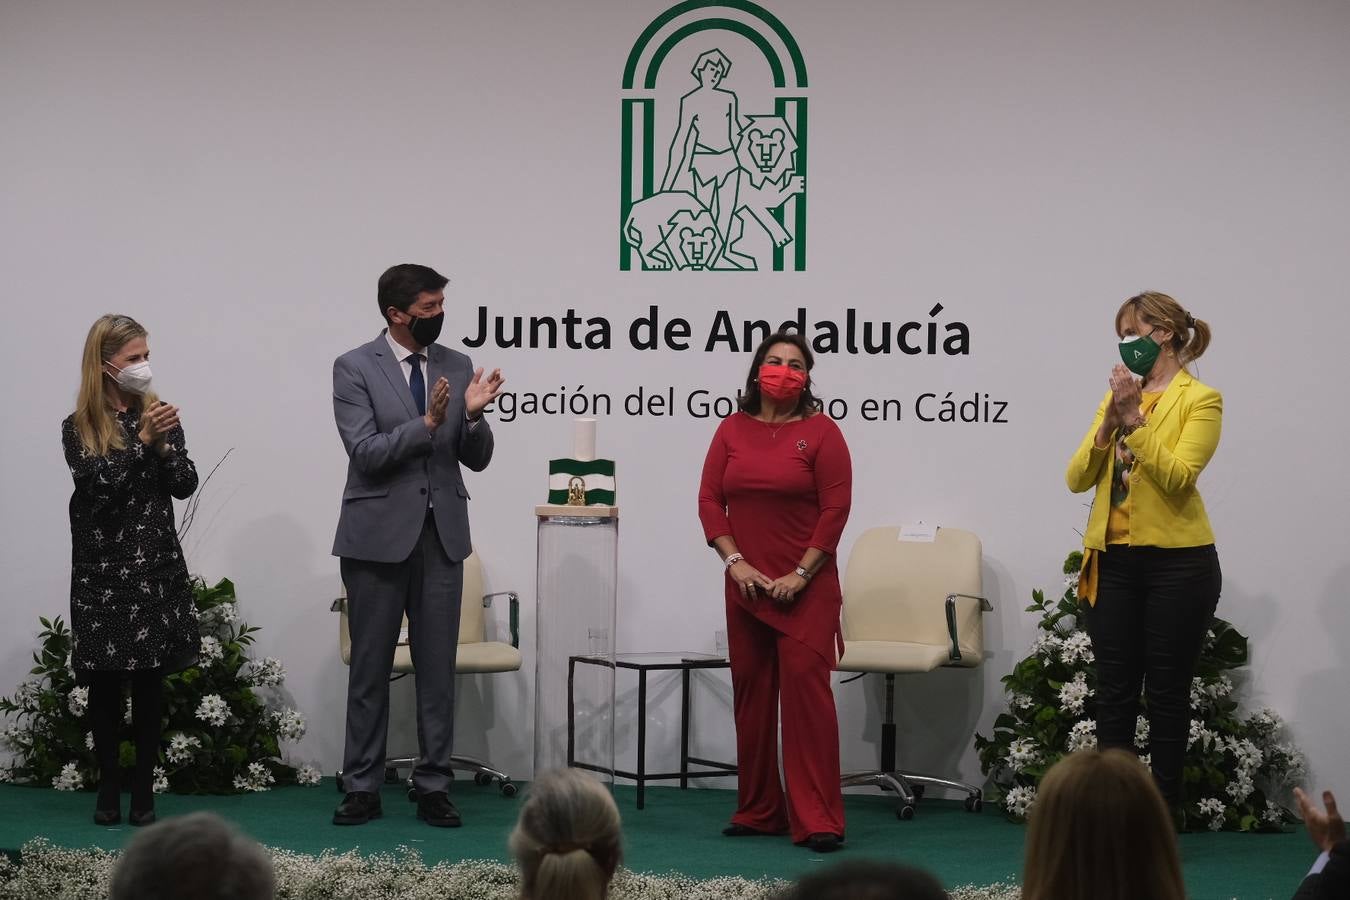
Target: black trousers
(1154, 605)
(105, 720)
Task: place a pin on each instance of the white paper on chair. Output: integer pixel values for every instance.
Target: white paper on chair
(920, 532)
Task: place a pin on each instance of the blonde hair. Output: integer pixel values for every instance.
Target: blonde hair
(1190, 336)
(567, 841)
(95, 423)
(1100, 830)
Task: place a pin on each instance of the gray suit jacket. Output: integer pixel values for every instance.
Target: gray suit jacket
(394, 464)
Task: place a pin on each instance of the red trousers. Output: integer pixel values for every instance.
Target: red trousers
(769, 670)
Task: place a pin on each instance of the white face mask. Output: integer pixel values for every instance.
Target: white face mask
(134, 378)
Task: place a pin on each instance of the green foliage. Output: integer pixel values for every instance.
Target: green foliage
(1236, 766)
(224, 720)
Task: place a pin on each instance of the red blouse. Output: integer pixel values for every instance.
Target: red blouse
(777, 490)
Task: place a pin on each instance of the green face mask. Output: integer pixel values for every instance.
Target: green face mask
(1139, 353)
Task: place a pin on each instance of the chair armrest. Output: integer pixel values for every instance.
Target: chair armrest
(514, 614)
(985, 606)
(338, 605)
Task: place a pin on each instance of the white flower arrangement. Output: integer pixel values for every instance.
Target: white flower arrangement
(78, 701)
(29, 696)
(223, 714)
(70, 778)
(1219, 688)
(1083, 736)
(1199, 699)
(1051, 698)
(12, 737)
(181, 747)
(48, 870)
(1046, 644)
(267, 672)
(1201, 735)
(1022, 753)
(290, 724)
(256, 778)
(1215, 809)
(1020, 799)
(308, 774)
(1141, 731)
(213, 710)
(1076, 648)
(161, 783)
(211, 651)
(1074, 694)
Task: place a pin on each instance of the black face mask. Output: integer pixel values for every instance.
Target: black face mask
(426, 330)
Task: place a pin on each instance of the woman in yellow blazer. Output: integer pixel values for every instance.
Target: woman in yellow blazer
(1150, 575)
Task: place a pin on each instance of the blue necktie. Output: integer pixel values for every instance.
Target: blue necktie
(417, 384)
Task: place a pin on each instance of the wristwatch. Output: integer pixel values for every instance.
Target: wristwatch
(802, 573)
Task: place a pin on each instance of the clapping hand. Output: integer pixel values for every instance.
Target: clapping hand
(481, 392)
(156, 423)
(1326, 828)
(437, 403)
(1125, 397)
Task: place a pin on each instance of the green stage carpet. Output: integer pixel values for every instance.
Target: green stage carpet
(678, 832)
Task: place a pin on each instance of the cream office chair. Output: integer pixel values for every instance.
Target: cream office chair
(474, 656)
(911, 607)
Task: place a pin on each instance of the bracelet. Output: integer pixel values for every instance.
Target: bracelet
(732, 560)
(1130, 429)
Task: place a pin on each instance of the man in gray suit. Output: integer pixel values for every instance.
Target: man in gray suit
(410, 413)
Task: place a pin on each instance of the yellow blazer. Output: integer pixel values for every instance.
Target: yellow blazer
(1170, 452)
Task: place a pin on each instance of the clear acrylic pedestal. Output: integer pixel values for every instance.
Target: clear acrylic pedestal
(577, 597)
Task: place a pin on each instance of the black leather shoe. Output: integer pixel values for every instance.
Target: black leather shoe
(141, 817)
(823, 842)
(358, 808)
(107, 817)
(436, 809)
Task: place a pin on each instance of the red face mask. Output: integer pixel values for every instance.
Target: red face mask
(782, 384)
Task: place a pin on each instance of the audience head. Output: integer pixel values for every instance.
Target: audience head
(567, 840)
(198, 856)
(1099, 830)
(867, 880)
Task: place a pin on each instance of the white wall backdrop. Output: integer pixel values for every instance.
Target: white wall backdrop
(236, 176)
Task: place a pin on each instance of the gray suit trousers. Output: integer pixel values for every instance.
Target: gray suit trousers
(427, 585)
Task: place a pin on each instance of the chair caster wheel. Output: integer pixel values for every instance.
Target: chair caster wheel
(337, 777)
(508, 789)
(412, 795)
(904, 813)
(974, 804)
(482, 779)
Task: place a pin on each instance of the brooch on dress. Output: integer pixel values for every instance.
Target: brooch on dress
(801, 443)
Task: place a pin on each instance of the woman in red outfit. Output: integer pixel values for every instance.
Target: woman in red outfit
(777, 485)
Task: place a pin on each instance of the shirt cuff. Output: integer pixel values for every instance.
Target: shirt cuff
(1320, 863)
(472, 423)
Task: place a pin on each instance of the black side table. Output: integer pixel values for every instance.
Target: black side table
(642, 663)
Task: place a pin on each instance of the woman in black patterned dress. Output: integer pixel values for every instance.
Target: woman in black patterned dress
(131, 603)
